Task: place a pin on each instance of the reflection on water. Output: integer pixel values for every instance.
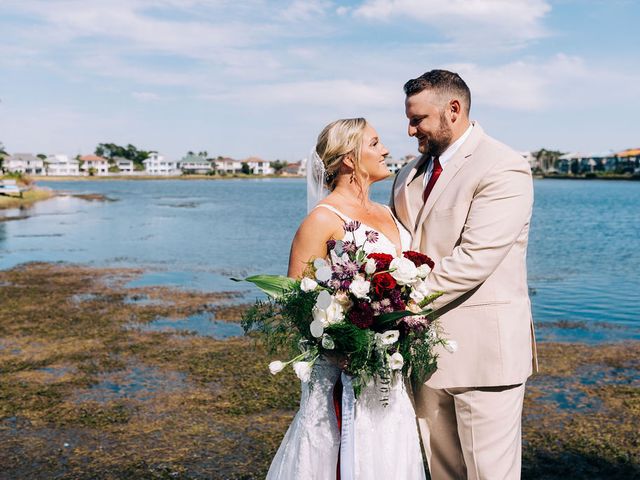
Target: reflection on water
(584, 248)
(199, 324)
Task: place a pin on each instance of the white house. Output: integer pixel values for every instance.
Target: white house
(228, 165)
(259, 166)
(124, 164)
(158, 164)
(191, 163)
(94, 163)
(62, 165)
(24, 163)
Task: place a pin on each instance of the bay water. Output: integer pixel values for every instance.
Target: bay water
(583, 262)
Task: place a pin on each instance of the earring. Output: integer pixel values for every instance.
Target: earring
(352, 178)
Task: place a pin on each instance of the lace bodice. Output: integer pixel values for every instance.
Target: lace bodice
(383, 244)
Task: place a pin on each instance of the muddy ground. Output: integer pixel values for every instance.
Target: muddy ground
(89, 391)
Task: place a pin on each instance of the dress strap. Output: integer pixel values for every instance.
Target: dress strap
(334, 210)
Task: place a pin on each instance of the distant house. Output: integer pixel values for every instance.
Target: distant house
(259, 166)
(228, 165)
(62, 165)
(99, 165)
(629, 160)
(195, 164)
(124, 164)
(570, 162)
(293, 168)
(24, 163)
(158, 164)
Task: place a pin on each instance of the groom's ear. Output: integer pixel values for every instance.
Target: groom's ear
(455, 110)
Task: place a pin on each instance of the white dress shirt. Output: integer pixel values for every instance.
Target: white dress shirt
(448, 154)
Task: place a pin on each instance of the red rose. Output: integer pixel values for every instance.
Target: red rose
(418, 258)
(383, 260)
(383, 282)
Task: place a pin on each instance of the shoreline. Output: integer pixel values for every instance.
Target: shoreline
(156, 177)
(29, 197)
(90, 389)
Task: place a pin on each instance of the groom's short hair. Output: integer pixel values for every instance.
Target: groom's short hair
(443, 82)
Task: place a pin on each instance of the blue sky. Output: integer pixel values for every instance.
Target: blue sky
(262, 78)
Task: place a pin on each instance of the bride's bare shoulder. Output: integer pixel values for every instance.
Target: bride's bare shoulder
(322, 220)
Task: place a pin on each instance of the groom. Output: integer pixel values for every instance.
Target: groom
(467, 201)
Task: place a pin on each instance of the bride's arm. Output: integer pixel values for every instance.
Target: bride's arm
(310, 241)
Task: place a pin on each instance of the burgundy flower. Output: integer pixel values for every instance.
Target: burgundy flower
(361, 315)
(372, 236)
(351, 226)
(396, 300)
(383, 260)
(349, 247)
(382, 283)
(331, 244)
(418, 258)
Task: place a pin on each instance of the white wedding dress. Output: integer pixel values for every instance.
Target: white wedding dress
(377, 443)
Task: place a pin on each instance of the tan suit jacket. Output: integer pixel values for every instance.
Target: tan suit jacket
(475, 225)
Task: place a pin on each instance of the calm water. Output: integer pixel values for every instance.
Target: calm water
(584, 248)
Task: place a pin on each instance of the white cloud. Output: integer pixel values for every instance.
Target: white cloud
(145, 96)
(504, 23)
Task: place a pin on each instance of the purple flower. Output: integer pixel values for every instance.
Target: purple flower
(349, 247)
(351, 226)
(345, 284)
(331, 244)
(372, 236)
(351, 268)
(396, 300)
(334, 284)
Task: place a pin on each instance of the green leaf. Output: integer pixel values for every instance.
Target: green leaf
(273, 285)
(430, 298)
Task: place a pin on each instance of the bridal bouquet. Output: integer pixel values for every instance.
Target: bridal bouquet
(369, 310)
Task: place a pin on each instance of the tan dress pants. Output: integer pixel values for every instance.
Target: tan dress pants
(472, 433)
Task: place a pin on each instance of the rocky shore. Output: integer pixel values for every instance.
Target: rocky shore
(90, 388)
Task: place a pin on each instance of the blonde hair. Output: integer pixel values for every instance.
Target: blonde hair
(337, 140)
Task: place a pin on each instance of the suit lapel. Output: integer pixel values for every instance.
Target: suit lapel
(449, 172)
(413, 190)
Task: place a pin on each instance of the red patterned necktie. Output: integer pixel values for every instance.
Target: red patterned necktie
(437, 170)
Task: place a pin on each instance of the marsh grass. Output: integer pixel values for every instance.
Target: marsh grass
(82, 396)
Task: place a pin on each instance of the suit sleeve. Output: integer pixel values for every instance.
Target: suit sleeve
(499, 211)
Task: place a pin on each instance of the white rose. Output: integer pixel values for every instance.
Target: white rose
(451, 346)
(276, 366)
(317, 328)
(327, 342)
(396, 361)
(335, 313)
(403, 270)
(388, 338)
(360, 287)
(424, 270)
(323, 274)
(370, 266)
(308, 284)
(303, 370)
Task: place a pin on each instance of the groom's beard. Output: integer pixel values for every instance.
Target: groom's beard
(440, 141)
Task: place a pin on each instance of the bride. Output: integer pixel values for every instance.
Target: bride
(365, 440)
